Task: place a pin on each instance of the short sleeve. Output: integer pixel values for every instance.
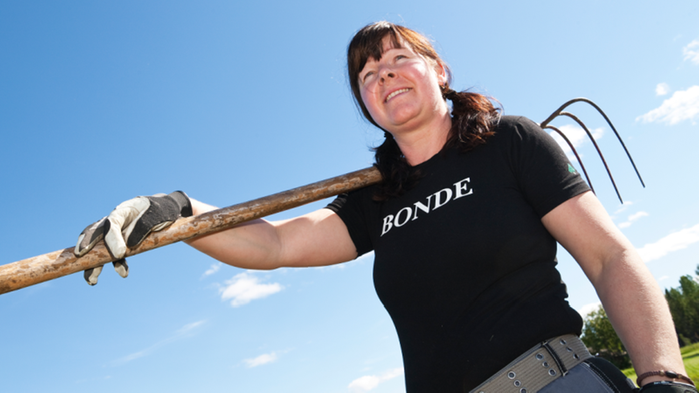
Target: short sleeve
(355, 210)
(544, 173)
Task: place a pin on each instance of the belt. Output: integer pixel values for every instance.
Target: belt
(537, 367)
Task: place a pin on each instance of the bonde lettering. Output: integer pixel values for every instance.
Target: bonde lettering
(440, 198)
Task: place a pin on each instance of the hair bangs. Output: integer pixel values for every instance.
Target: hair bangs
(368, 44)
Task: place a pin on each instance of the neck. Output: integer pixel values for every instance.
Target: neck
(420, 145)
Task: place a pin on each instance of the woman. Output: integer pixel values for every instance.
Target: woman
(464, 229)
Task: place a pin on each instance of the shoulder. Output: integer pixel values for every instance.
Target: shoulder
(514, 131)
(517, 124)
(358, 211)
(357, 199)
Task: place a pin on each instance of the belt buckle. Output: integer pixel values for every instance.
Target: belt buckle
(561, 367)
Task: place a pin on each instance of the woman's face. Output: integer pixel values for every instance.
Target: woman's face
(401, 90)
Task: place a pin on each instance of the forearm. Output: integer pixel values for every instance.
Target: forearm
(631, 297)
(639, 313)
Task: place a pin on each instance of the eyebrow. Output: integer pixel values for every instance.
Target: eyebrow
(394, 46)
(380, 51)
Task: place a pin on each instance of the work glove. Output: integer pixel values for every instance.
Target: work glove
(128, 224)
(668, 387)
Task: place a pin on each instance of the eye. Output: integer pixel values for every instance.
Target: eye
(401, 56)
(367, 76)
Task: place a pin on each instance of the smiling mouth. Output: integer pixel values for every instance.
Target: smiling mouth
(395, 93)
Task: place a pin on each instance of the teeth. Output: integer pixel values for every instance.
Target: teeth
(395, 93)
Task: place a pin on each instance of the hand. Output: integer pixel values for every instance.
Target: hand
(128, 224)
(667, 387)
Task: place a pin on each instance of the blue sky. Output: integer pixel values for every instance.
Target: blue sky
(102, 101)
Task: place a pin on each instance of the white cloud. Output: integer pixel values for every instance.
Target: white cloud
(262, 359)
(638, 215)
(369, 382)
(577, 137)
(691, 52)
(623, 207)
(179, 334)
(213, 269)
(244, 288)
(134, 356)
(364, 384)
(672, 242)
(633, 218)
(662, 89)
(189, 327)
(585, 310)
(683, 105)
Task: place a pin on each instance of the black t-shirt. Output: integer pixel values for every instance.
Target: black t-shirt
(463, 264)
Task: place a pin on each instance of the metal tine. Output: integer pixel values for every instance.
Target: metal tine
(601, 156)
(601, 112)
(574, 152)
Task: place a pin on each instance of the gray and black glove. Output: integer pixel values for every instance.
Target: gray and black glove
(128, 224)
(668, 387)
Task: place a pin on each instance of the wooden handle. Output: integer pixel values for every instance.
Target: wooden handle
(31, 271)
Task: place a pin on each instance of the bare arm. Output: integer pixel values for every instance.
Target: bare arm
(630, 296)
(315, 239)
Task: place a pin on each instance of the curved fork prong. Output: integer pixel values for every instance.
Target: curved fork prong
(574, 152)
(601, 156)
(601, 112)
(562, 107)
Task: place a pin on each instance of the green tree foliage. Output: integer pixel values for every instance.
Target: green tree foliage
(684, 306)
(601, 339)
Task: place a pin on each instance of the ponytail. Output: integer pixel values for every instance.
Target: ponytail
(473, 118)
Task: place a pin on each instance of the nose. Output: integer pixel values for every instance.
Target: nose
(385, 74)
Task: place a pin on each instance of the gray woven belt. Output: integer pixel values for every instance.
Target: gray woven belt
(537, 367)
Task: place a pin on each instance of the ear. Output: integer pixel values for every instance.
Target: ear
(441, 73)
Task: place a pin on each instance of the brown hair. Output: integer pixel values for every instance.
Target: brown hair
(473, 115)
